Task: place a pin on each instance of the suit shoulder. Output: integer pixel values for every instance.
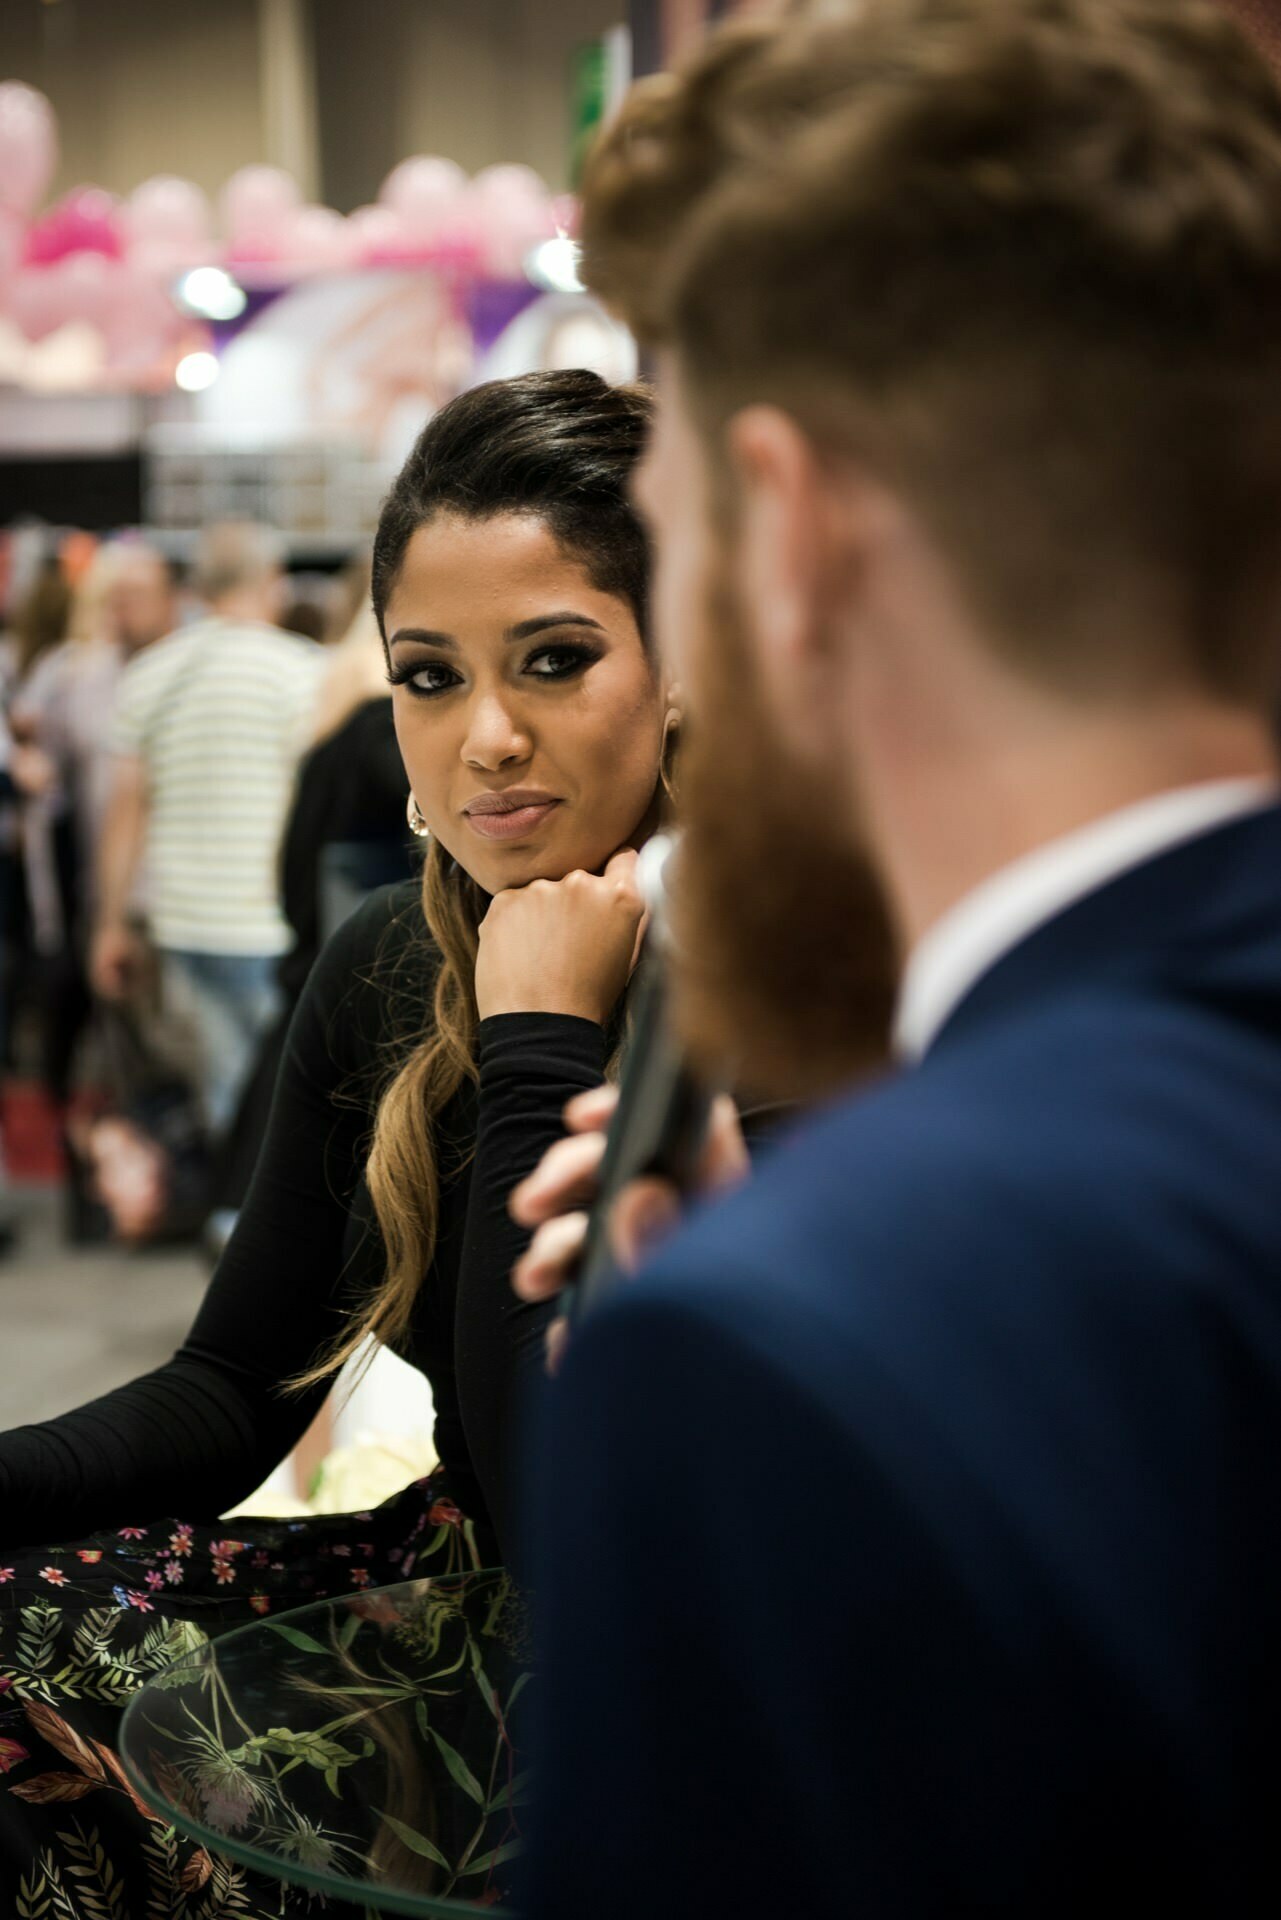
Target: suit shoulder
(1074, 1142)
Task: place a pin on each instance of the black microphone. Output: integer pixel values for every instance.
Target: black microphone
(660, 1123)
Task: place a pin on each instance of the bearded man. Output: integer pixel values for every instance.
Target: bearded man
(909, 1538)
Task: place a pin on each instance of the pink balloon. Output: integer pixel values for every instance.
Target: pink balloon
(424, 191)
(458, 250)
(567, 212)
(318, 241)
(28, 145)
(169, 227)
(380, 238)
(257, 203)
(88, 280)
(510, 220)
(509, 183)
(136, 318)
(76, 288)
(139, 320)
(86, 220)
(36, 301)
(12, 243)
(168, 212)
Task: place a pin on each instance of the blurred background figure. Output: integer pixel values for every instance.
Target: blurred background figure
(7, 812)
(208, 732)
(346, 835)
(39, 623)
(41, 620)
(62, 713)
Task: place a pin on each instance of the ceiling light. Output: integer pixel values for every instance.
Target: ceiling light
(196, 371)
(212, 294)
(553, 266)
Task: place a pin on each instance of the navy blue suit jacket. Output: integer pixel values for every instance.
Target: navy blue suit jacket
(907, 1535)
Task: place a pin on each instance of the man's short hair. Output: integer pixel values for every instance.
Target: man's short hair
(1023, 258)
(234, 554)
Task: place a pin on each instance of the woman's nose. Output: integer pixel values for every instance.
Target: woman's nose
(494, 735)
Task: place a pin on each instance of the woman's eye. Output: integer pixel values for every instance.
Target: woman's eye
(432, 678)
(558, 663)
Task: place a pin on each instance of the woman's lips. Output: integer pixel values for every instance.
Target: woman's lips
(515, 824)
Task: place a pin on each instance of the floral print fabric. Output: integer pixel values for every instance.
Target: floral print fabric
(85, 1625)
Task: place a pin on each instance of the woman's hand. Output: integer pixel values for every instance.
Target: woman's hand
(554, 1197)
(561, 946)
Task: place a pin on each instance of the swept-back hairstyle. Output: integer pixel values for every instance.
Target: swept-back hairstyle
(1023, 258)
(562, 447)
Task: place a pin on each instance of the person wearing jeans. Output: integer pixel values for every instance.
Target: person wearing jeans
(228, 1000)
(207, 734)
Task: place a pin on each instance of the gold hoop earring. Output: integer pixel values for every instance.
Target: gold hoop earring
(413, 816)
(667, 754)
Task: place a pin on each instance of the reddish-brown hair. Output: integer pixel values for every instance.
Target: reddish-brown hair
(1023, 257)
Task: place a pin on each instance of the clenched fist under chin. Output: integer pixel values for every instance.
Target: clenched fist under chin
(562, 946)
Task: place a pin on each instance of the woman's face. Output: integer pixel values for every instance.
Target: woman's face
(529, 715)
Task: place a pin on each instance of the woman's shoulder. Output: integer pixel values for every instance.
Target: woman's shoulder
(386, 934)
(372, 979)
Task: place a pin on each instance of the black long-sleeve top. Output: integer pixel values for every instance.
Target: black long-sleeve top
(198, 1434)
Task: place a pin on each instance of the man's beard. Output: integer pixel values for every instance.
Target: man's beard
(786, 962)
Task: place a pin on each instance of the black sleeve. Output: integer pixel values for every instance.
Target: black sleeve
(199, 1433)
(529, 1064)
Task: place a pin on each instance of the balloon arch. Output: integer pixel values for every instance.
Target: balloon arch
(116, 271)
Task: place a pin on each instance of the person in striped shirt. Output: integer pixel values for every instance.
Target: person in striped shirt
(206, 737)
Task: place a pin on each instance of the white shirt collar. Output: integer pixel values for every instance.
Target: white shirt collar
(1010, 904)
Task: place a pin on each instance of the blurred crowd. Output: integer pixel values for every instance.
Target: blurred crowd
(199, 779)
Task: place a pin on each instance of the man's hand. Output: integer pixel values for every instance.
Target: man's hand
(561, 946)
(116, 960)
(555, 1196)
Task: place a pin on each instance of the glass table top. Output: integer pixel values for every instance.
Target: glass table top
(367, 1747)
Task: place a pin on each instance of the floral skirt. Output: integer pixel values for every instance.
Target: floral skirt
(83, 1626)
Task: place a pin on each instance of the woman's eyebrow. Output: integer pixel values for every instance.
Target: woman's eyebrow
(526, 629)
(523, 630)
(424, 636)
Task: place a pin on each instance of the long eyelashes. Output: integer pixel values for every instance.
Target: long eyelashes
(409, 675)
(563, 663)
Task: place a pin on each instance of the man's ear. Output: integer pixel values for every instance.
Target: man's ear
(792, 548)
(776, 481)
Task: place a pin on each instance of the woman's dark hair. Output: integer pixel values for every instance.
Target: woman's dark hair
(562, 446)
(559, 445)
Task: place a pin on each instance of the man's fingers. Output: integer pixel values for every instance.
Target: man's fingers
(591, 1112)
(644, 1212)
(724, 1160)
(555, 1341)
(564, 1177)
(544, 1267)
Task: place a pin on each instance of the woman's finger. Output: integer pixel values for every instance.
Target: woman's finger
(547, 1262)
(565, 1177)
